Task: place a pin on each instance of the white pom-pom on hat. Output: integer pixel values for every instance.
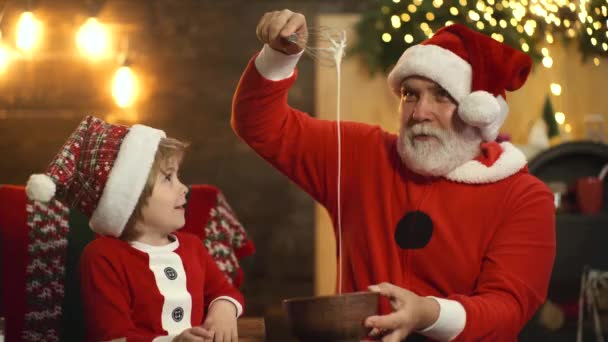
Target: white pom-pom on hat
(479, 109)
(40, 187)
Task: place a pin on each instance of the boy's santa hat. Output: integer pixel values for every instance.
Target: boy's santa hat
(101, 170)
(473, 68)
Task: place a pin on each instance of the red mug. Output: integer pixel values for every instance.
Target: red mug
(589, 195)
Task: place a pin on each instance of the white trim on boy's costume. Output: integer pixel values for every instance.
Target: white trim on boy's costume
(170, 278)
(174, 291)
(126, 180)
(238, 306)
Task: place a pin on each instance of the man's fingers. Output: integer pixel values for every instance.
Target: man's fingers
(395, 336)
(260, 26)
(396, 304)
(377, 332)
(295, 24)
(271, 20)
(278, 24)
(388, 290)
(391, 321)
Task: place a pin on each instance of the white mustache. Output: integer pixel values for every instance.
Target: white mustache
(426, 130)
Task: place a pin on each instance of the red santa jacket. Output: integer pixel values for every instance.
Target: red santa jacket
(491, 243)
(144, 292)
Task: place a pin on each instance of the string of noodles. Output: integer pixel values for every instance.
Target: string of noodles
(327, 46)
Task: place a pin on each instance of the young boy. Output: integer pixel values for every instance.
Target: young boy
(141, 280)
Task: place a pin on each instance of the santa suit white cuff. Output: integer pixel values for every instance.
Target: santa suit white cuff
(275, 65)
(166, 338)
(450, 323)
(239, 307)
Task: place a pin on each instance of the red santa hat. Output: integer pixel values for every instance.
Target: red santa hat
(101, 170)
(473, 68)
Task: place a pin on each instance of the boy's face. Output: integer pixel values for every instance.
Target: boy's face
(164, 212)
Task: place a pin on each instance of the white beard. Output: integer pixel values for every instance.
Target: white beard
(437, 157)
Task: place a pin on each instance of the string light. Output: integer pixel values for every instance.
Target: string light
(5, 57)
(124, 87)
(525, 24)
(560, 118)
(93, 38)
(396, 21)
(571, 33)
(544, 51)
(474, 15)
(498, 37)
(556, 89)
(28, 32)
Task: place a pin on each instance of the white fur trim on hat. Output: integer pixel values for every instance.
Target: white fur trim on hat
(126, 180)
(40, 187)
(440, 65)
(474, 172)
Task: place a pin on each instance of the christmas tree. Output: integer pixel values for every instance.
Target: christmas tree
(549, 118)
(389, 27)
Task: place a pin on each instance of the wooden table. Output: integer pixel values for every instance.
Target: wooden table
(251, 329)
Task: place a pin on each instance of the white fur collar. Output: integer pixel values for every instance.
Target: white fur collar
(511, 160)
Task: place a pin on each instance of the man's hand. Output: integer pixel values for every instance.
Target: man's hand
(194, 334)
(221, 321)
(411, 313)
(275, 27)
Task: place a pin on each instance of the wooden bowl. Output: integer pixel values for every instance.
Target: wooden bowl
(331, 318)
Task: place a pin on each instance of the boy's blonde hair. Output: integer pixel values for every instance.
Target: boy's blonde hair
(169, 150)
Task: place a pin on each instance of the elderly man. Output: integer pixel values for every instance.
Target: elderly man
(441, 219)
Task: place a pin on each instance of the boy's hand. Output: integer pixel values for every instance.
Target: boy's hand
(221, 321)
(194, 334)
